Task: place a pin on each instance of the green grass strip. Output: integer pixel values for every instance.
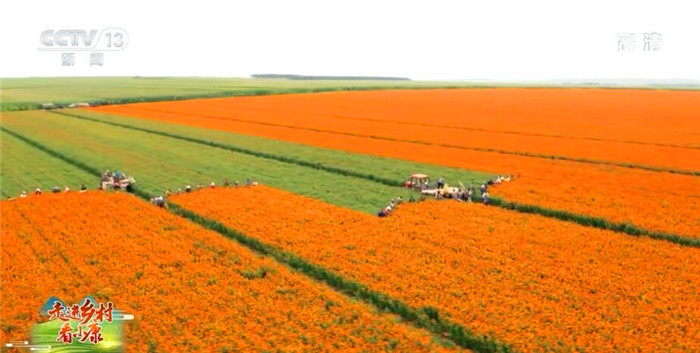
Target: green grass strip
(585, 220)
(229, 147)
(53, 153)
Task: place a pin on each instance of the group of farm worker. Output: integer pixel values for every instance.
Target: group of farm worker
(461, 194)
(108, 177)
(55, 190)
(116, 180)
(160, 200)
(392, 206)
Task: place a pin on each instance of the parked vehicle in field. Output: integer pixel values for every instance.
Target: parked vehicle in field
(116, 180)
(417, 181)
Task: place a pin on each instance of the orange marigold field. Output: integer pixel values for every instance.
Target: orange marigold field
(658, 201)
(446, 117)
(189, 289)
(534, 282)
(592, 113)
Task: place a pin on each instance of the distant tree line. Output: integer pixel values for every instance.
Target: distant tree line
(303, 77)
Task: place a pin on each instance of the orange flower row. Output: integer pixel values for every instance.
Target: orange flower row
(189, 289)
(658, 201)
(534, 282)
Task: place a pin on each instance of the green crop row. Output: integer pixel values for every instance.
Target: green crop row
(159, 162)
(229, 147)
(24, 168)
(52, 153)
(384, 168)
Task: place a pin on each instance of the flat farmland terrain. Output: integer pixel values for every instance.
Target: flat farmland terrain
(537, 283)
(25, 168)
(590, 245)
(655, 128)
(190, 288)
(159, 163)
(31, 93)
(648, 177)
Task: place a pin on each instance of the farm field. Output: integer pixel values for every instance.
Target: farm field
(162, 162)
(31, 93)
(382, 167)
(190, 289)
(601, 188)
(24, 168)
(499, 119)
(591, 247)
(534, 282)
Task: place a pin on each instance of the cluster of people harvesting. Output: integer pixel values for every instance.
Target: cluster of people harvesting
(118, 180)
(442, 191)
(55, 190)
(160, 200)
(115, 180)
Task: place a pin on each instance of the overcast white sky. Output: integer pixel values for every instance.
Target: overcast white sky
(501, 40)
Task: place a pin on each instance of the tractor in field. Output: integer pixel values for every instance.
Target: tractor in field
(116, 180)
(417, 182)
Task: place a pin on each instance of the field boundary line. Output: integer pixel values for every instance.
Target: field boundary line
(494, 131)
(646, 167)
(593, 221)
(581, 219)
